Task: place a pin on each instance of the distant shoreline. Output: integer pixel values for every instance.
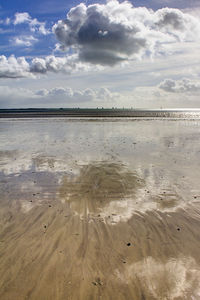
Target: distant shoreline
(97, 113)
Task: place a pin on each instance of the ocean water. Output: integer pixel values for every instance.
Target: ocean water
(100, 208)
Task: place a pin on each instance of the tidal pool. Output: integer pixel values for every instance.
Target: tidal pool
(101, 209)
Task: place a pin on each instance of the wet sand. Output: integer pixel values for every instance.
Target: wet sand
(99, 210)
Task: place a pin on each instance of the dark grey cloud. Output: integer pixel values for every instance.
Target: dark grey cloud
(169, 18)
(105, 57)
(180, 86)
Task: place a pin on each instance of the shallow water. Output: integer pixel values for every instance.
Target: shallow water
(100, 210)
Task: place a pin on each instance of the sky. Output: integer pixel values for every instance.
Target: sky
(71, 53)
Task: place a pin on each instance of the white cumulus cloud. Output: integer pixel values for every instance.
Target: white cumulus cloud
(54, 64)
(180, 86)
(27, 41)
(34, 24)
(102, 94)
(55, 97)
(13, 67)
(22, 18)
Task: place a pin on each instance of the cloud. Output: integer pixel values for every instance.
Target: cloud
(53, 64)
(22, 18)
(61, 96)
(12, 67)
(182, 4)
(7, 21)
(55, 97)
(4, 23)
(104, 35)
(102, 94)
(34, 24)
(69, 95)
(113, 32)
(176, 278)
(24, 41)
(180, 86)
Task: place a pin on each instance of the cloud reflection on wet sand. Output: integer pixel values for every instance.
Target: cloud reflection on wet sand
(106, 222)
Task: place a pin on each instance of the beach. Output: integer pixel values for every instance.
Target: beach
(99, 209)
